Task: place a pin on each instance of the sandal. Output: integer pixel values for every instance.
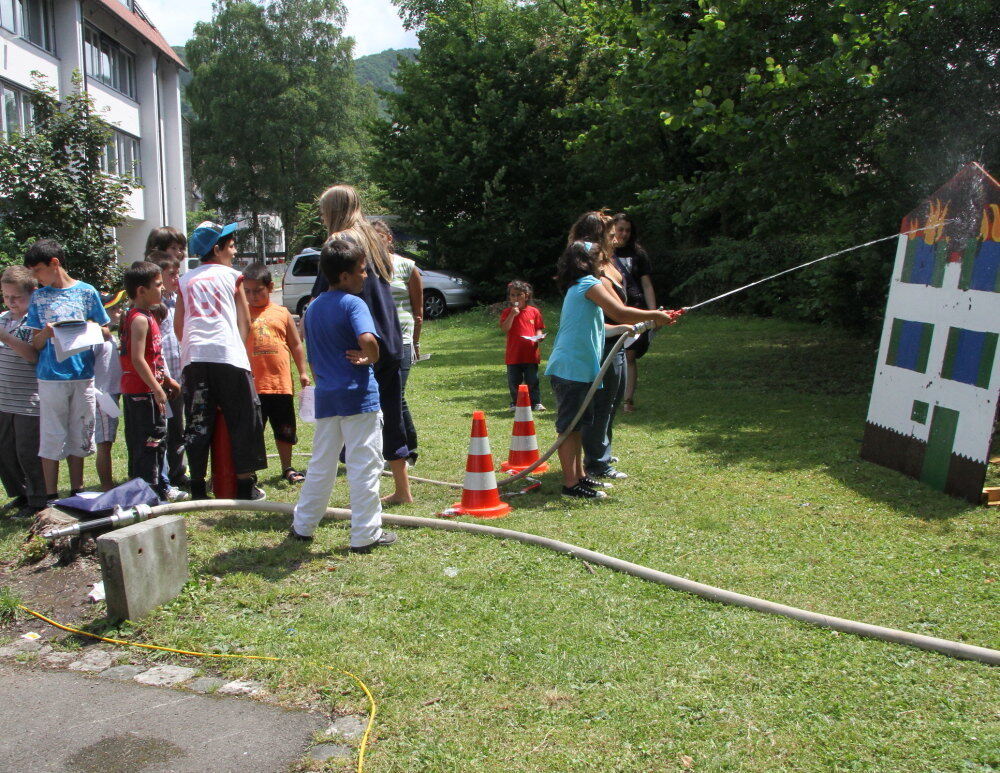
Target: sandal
(292, 475)
(628, 407)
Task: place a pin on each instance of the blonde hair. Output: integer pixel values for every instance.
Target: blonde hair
(340, 208)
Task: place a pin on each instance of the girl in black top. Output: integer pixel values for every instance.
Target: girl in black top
(633, 263)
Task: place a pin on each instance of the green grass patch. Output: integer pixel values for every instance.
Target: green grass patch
(486, 655)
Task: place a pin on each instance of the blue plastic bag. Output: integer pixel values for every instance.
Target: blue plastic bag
(87, 506)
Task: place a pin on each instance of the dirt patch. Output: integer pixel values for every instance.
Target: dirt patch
(59, 592)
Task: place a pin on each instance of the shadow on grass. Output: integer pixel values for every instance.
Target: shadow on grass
(789, 402)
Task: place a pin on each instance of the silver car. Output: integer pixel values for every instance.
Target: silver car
(443, 290)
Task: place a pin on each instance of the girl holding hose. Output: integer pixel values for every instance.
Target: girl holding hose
(575, 359)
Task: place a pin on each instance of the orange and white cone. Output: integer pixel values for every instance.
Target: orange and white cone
(523, 441)
(480, 495)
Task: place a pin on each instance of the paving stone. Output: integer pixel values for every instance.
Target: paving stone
(94, 660)
(240, 687)
(59, 659)
(164, 676)
(25, 645)
(330, 751)
(206, 684)
(122, 673)
(348, 728)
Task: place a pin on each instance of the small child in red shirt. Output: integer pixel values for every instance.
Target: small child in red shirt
(145, 386)
(524, 327)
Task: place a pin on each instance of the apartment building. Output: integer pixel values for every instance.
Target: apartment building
(131, 74)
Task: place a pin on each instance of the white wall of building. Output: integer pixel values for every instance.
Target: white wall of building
(152, 115)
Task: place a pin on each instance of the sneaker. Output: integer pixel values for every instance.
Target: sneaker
(296, 537)
(594, 483)
(387, 538)
(511, 407)
(25, 513)
(612, 474)
(538, 407)
(582, 491)
(174, 494)
(613, 460)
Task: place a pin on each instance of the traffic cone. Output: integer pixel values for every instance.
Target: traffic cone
(223, 471)
(523, 441)
(480, 495)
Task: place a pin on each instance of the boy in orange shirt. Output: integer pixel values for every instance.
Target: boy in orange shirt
(273, 337)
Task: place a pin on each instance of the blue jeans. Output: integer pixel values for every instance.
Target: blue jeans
(597, 437)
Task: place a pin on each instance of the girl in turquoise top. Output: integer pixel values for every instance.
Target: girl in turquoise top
(575, 359)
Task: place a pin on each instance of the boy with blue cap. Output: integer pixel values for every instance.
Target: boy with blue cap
(212, 320)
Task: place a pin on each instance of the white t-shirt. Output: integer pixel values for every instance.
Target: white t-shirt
(211, 333)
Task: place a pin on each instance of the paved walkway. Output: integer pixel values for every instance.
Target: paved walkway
(62, 721)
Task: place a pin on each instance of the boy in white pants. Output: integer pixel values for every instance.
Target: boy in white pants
(341, 343)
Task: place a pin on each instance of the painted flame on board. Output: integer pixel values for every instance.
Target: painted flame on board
(933, 227)
(989, 229)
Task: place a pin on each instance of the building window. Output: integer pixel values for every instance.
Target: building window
(121, 156)
(981, 265)
(108, 62)
(910, 344)
(924, 263)
(31, 19)
(969, 357)
(15, 110)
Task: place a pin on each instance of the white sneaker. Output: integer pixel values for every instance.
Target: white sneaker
(174, 494)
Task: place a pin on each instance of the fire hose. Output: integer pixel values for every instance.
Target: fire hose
(931, 643)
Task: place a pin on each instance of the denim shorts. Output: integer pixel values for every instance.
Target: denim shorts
(569, 398)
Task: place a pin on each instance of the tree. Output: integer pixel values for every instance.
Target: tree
(278, 112)
(474, 152)
(52, 186)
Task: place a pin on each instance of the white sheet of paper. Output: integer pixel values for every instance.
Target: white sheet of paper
(307, 405)
(73, 338)
(536, 337)
(422, 357)
(168, 411)
(630, 339)
(107, 403)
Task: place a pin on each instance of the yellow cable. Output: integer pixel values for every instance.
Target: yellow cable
(371, 699)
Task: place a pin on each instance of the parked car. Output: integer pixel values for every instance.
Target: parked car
(443, 290)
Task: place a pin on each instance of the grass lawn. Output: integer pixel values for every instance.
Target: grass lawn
(484, 655)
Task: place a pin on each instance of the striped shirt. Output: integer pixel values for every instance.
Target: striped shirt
(18, 382)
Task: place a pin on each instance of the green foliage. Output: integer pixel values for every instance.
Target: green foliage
(279, 114)
(733, 119)
(474, 153)
(52, 186)
(10, 606)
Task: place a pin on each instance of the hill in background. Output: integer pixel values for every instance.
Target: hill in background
(378, 70)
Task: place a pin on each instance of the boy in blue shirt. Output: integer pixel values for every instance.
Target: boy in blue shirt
(66, 400)
(341, 344)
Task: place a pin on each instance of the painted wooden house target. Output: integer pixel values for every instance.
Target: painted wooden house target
(934, 400)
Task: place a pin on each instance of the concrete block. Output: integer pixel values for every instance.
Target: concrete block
(143, 565)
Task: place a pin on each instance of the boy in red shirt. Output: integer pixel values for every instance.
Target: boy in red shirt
(524, 327)
(145, 386)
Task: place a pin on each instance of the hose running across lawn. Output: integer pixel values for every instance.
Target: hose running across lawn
(931, 643)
